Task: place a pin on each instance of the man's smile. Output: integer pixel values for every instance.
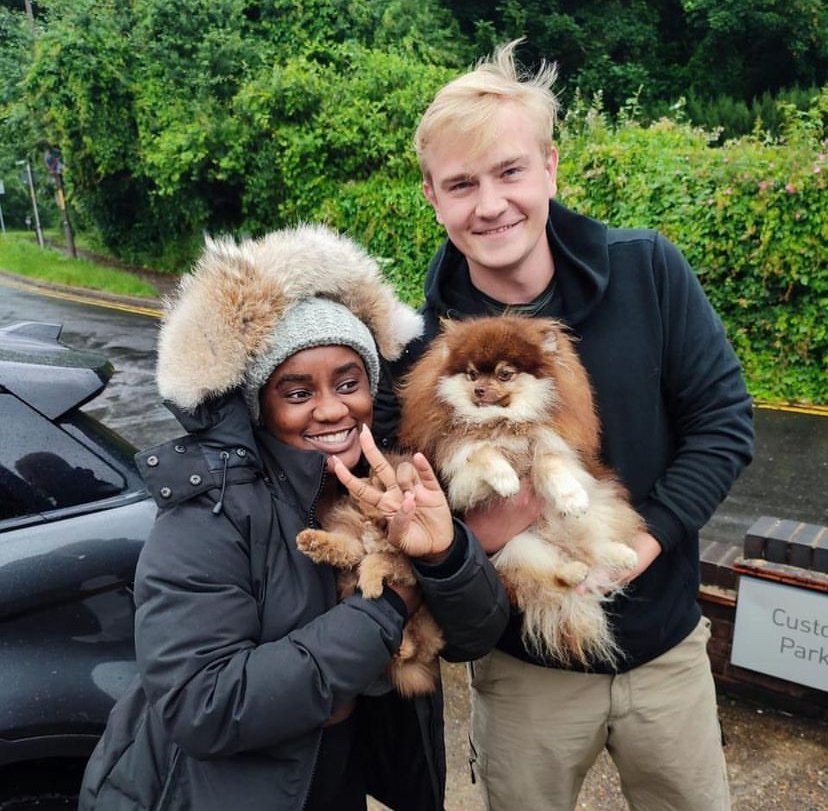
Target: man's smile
(500, 229)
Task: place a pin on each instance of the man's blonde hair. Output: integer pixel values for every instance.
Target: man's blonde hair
(463, 109)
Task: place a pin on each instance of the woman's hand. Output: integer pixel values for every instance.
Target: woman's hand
(410, 497)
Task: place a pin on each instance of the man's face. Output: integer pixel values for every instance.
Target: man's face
(494, 205)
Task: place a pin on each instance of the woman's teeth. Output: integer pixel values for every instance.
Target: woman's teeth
(332, 439)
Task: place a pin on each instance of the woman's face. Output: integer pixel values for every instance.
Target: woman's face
(318, 399)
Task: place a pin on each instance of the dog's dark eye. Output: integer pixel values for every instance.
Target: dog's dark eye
(505, 375)
(472, 374)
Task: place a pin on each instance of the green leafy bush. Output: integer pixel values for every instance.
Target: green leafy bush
(242, 118)
(751, 217)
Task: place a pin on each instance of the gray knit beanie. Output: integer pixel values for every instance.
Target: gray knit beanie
(311, 322)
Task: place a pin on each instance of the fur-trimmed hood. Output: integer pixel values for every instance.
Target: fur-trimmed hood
(224, 312)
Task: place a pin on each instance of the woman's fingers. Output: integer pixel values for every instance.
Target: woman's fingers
(380, 466)
(400, 522)
(360, 489)
(426, 473)
(407, 476)
(387, 499)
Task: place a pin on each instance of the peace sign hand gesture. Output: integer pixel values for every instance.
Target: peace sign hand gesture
(410, 498)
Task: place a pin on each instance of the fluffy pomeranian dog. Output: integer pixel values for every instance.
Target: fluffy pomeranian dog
(498, 399)
(353, 540)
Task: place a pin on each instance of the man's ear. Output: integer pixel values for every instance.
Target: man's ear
(551, 166)
(428, 193)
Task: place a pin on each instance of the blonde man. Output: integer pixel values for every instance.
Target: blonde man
(677, 429)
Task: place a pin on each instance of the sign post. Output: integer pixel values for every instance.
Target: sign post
(54, 165)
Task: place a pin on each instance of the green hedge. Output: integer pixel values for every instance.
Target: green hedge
(751, 217)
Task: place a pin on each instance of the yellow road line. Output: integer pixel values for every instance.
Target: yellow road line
(796, 408)
(121, 304)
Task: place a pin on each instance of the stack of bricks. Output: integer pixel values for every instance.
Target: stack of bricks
(789, 543)
(786, 552)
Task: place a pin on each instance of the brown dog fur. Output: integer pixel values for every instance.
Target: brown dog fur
(498, 399)
(353, 540)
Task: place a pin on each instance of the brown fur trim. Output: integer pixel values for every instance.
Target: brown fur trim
(224, 311)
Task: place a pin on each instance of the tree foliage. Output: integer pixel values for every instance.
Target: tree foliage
(212, 119)
(242, 116)
(665, 48)
(744, 49)
(19, 133)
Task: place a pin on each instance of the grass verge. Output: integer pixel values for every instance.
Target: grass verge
(19, 255)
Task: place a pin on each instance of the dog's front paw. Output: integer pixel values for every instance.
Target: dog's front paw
(504, 482)
(312, 543)
(571, 499)
(370, 585)
(341, 551)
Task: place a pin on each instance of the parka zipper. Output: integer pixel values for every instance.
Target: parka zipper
(313, 520)
(219, 505)
(313, 771)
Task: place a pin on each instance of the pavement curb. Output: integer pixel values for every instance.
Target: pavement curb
(153, 307)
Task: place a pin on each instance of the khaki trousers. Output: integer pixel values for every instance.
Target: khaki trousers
(536, 731)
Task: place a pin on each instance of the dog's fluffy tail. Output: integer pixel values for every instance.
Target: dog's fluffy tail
(413, 677)
(572, 629)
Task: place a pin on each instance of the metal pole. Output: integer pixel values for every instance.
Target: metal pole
(34, 203)
(2, 222)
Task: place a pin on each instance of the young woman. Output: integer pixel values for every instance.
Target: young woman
(257, 688)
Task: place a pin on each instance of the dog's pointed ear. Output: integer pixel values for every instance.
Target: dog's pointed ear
(439, 349)
(447, 325)
(443, 352)
(550, 338)
(440, 345)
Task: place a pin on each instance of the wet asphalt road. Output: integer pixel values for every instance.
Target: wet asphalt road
(788, 477)
(776, 762)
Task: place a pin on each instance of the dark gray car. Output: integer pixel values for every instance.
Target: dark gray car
(73, 516)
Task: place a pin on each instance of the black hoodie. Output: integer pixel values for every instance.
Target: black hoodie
(676, 417)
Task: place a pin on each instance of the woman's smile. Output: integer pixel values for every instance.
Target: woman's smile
(334, 441)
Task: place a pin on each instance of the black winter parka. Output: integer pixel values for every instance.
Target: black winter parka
(244, 650)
